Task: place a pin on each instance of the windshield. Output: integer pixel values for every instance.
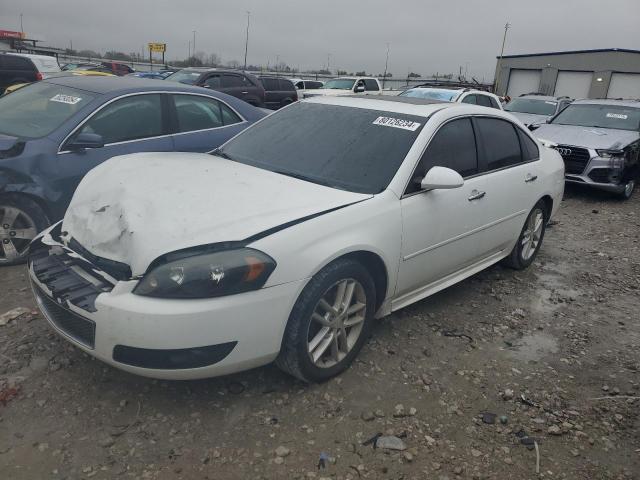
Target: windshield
(430, 94)
(529, 105)
(352, 149)
(185, 76)
(616, 117)
(38, 109)
(340, 84)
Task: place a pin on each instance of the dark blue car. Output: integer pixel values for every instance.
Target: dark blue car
(54, 131)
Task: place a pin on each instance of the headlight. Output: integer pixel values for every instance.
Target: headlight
(609, 153)
(208, 275)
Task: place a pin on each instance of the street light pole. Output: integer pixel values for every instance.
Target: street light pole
(189, 50)
(21, 29)
(386, 64)
(246, 41)
(328, 62)
(504, 40)
(194, 43)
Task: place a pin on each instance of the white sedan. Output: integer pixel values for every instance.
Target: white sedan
(288, 241)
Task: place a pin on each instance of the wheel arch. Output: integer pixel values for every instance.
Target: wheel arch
(548, 205)
(40, 202)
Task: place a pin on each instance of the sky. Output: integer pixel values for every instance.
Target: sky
(424, 36)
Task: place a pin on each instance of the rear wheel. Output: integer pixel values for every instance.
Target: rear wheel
(530, 240)
(20, 221)
(329, 323)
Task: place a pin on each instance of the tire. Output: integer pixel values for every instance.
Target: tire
(302, 333)
(524, 252)
(21, 219)
(628, 190)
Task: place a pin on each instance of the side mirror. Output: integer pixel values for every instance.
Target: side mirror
(86, 140)
(534, 126)
(359, 89)
(441, 178)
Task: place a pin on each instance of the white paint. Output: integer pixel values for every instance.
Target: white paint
(137, 207)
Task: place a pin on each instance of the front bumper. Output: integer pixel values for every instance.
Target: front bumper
(599, 174)
(167, 338)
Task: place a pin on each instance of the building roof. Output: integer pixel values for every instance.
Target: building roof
(570, 52)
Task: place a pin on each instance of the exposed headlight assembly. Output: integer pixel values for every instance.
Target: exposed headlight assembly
(208, 275)
(616, 158)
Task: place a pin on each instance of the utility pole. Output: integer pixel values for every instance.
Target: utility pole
(504, 40)
(386, 64)
(21, 29)
(189, 51)
(194, 43)
(246, 41)
(328, 62)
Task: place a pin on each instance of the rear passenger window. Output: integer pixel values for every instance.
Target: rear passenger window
(529, 148)
(197, 113)
(17, 63)
(500, 141)
(229, 117)
(233, 81)
(453, 146)
(494, 103)
(470, 99)
(213, 82)
(286, 85)
(270, 84)
(483, 101)
(370, 85)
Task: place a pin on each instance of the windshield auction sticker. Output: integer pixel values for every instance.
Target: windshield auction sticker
(68, 99)
(397, 123)
(617, 115)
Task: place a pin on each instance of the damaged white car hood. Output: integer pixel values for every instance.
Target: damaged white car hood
(134, 208)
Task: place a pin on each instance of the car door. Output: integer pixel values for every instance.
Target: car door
(272, 95)
(129, 124)
(202, 123)
(440, 226)
(238, 86)
(512, 162)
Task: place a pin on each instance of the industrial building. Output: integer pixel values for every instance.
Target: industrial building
(603, 73)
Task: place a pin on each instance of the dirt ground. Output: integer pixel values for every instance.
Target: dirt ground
(554, 349)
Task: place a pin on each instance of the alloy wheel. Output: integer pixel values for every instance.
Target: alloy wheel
(336, 323)
(17, 229)
(628, 188)
(532, 234)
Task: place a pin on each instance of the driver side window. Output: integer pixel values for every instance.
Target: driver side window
(130, 118)
(453, 146)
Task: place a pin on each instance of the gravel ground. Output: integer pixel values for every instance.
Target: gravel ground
(554, 352)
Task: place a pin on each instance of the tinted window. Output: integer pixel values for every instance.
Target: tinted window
(38, 109)
(270, 84)
(470, 99)
(484, 101)
(213, 81)
(197, 113)
(534, 106)
(494, 103)
(500, 141)
(233, 81)
(17, 63)
(286, 85)
(229, 117)
(371, 85)
(529, 148)
(129, 118)
(352, 149)
(300, 85)
(313, 85)
(453, 146)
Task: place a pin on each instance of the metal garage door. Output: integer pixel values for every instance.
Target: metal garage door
(523, 81)
(573, 84)
(624, 85)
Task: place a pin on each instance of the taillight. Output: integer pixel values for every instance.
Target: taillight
(39, 76)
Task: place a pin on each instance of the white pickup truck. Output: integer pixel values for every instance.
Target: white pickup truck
(347, 86)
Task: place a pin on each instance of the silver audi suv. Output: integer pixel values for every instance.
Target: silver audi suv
(599, 141)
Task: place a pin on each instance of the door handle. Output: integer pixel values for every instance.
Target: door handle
(244, 93)
(476, 195)
(530, 178)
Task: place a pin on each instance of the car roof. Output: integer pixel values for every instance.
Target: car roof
(104, 85)
(541, 97)
(634, 103)
(30, 55)
(390, 103)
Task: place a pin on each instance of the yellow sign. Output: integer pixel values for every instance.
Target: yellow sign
(158, 47)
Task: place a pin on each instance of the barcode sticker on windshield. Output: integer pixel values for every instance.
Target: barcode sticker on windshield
(397, 123)
(617, 115)
(68, 99)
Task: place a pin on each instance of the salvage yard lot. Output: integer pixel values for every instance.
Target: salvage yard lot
(555, 349)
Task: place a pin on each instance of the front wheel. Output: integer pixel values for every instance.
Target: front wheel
(530, 240)
(628, 190)
(21, 219)
(329, 323)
